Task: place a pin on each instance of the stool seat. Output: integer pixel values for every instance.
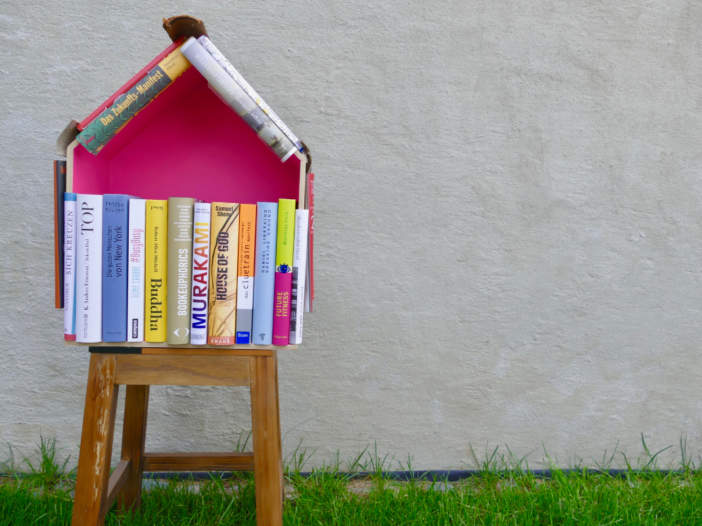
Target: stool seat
(138, 369)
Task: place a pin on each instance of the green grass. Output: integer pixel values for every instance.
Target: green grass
(504, 493)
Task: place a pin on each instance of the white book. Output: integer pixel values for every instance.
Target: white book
(236, 98)
(89, 269)
(136, 270)
(233, 73)
(299, 274)
(69, 266)
(201, 273)
(308, 302)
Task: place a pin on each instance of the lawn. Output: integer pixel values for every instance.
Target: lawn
(638, 495)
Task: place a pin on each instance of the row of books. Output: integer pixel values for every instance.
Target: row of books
(183, 271)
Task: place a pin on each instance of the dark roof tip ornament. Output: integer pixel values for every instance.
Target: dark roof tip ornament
(184, 26)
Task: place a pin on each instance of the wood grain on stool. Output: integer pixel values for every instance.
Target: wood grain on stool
(268, 465)
(96, 441)
(136, 408)
(207, 352)
(198, 461)
(116, 483)
(134, 369)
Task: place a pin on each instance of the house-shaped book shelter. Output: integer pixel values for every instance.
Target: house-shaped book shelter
(187, 142)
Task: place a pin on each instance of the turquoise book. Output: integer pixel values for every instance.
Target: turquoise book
(264, 273)
(115, 222)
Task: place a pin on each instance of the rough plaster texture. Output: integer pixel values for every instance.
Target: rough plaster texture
(508, 224)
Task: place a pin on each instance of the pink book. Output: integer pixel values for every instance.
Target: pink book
(282, 290)
(281, 308)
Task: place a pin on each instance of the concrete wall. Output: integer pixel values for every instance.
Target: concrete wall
(508, 228)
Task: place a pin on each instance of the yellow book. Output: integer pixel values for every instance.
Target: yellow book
(156, 271)
(223, 273)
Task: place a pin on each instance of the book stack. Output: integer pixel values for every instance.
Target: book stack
(184, 272)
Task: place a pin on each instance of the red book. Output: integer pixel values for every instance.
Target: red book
(136, 78)
(59, 190)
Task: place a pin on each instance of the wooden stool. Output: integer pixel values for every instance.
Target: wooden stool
(139, 368)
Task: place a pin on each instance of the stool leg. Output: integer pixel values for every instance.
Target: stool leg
(96, 442)
(136, 408)
(268, 465)
(280, 435)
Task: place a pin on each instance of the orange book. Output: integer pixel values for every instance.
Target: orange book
(245, 281)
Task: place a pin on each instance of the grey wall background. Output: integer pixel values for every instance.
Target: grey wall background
(508, 246)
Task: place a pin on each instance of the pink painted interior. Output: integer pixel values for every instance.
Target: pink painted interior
(187, 143)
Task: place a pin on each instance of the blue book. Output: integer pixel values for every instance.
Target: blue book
(266, 232)
(69, 265)
(115, 222)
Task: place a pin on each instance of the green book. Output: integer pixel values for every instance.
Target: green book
(180, 269)
(286, 235)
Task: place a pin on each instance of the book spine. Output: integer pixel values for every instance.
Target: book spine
(266, 233)
(299, 271)
(283, 271)
(309, 293)
(136, 78)
(234, 96)
(241, 81)
(136, 268)
(201, 272)
(59, 191)
(115, 220)
(156, 261)
(223, 282)
(89, 269)
(180, 268)
(245, 282)
(106, 125)
(69, 267)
